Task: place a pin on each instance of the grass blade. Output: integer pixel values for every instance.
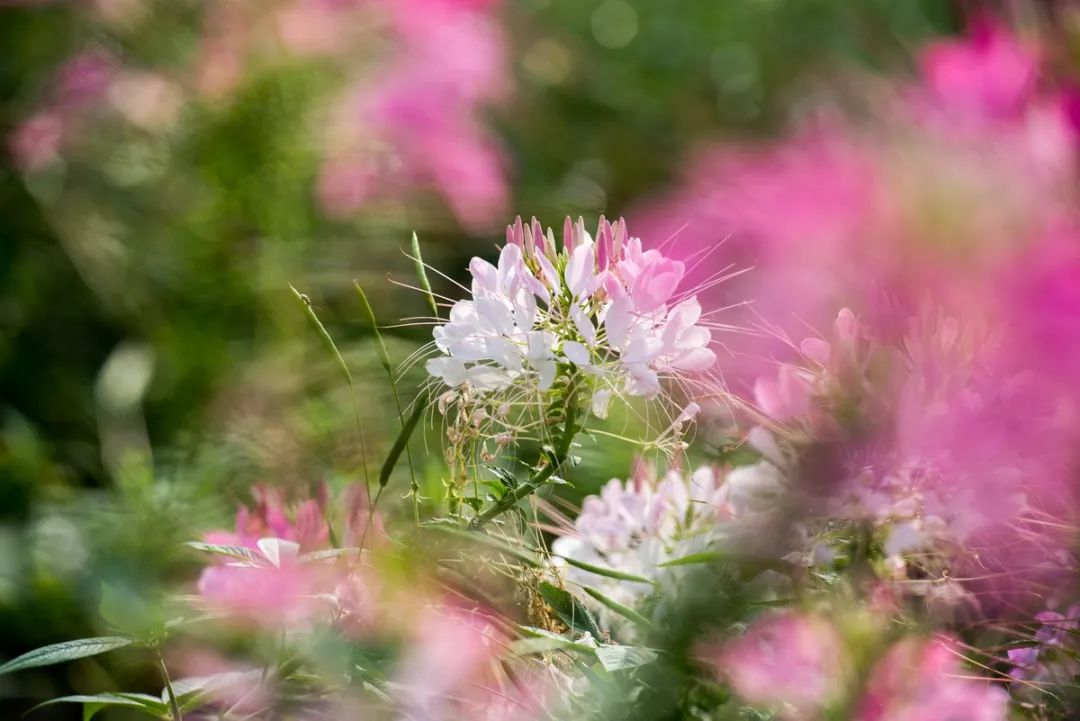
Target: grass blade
(616, 607)
(324, 334)
(602, 571)
(421, 274)
(384, 359)
(402, 441)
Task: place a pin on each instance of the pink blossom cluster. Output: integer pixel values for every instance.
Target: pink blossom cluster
(948, 226)
(960, 191)
(276, 583)
(801, 665)
(418, 123)
(605, 307)
(637, 525)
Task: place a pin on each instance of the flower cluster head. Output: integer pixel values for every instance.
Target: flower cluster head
(637, 525)
(601, 306)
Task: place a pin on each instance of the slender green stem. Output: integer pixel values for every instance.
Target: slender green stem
(556, 459)
(174, 707)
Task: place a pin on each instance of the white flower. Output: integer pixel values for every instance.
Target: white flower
(636, 526)
(604, 307)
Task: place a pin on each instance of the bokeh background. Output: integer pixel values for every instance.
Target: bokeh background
(172, 167)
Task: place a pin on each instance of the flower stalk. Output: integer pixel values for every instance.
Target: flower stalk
(567, 411)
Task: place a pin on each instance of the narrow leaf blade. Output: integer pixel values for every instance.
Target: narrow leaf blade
(618, 608)
(421, 274)
(403, 438)
(66, 651)
(604, 571)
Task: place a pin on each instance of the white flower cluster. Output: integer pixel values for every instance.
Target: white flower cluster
(638, 525)
(605, 307)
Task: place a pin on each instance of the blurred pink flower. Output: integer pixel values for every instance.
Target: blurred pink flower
(419, 124)
(786, 397)
(988, 74)
(445, 662)
(793, 660)
(37, 142)
(268, 520)
(923, 681)
(316, 27)
(275, 590)
(83, 79)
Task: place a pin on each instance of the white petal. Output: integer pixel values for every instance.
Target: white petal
(617, 321)
(583, 324)
(484, 275)
(600, 401)
(277, 549)
(576, 353)
(697, 359)
(547, 270)
(580, 269)
(546, 371)
(450, 370)
(486, 378)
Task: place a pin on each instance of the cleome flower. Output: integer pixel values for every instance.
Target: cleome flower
(604, 307)
(639, 525)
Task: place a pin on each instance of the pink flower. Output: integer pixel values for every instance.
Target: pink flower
(787, 397)
(448, 656)
(788, 659)
(922, 681)
(344, 185)
(268, 520)
(83, 79)
(275, 590)
(37, 141)
(988, 74)
(419, 124)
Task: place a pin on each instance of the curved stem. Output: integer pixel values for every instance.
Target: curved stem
(556, 458)
(174, 707)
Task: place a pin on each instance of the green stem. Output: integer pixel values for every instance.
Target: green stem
(555, 460)
(174, 707)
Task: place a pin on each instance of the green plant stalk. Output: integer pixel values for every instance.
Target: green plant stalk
(555, 461)
(174, 707)
(384, 360)
(421, 274)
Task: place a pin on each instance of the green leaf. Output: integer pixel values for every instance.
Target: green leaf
(96, 702)
(508, 478)
(620, 658)
(624, 611)
(421, 275)
(570, 610)
(604, 571)
(66, 651)
(540, 641)
(402, 441)
(241, 553)
(316, 556)
(696, 558)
